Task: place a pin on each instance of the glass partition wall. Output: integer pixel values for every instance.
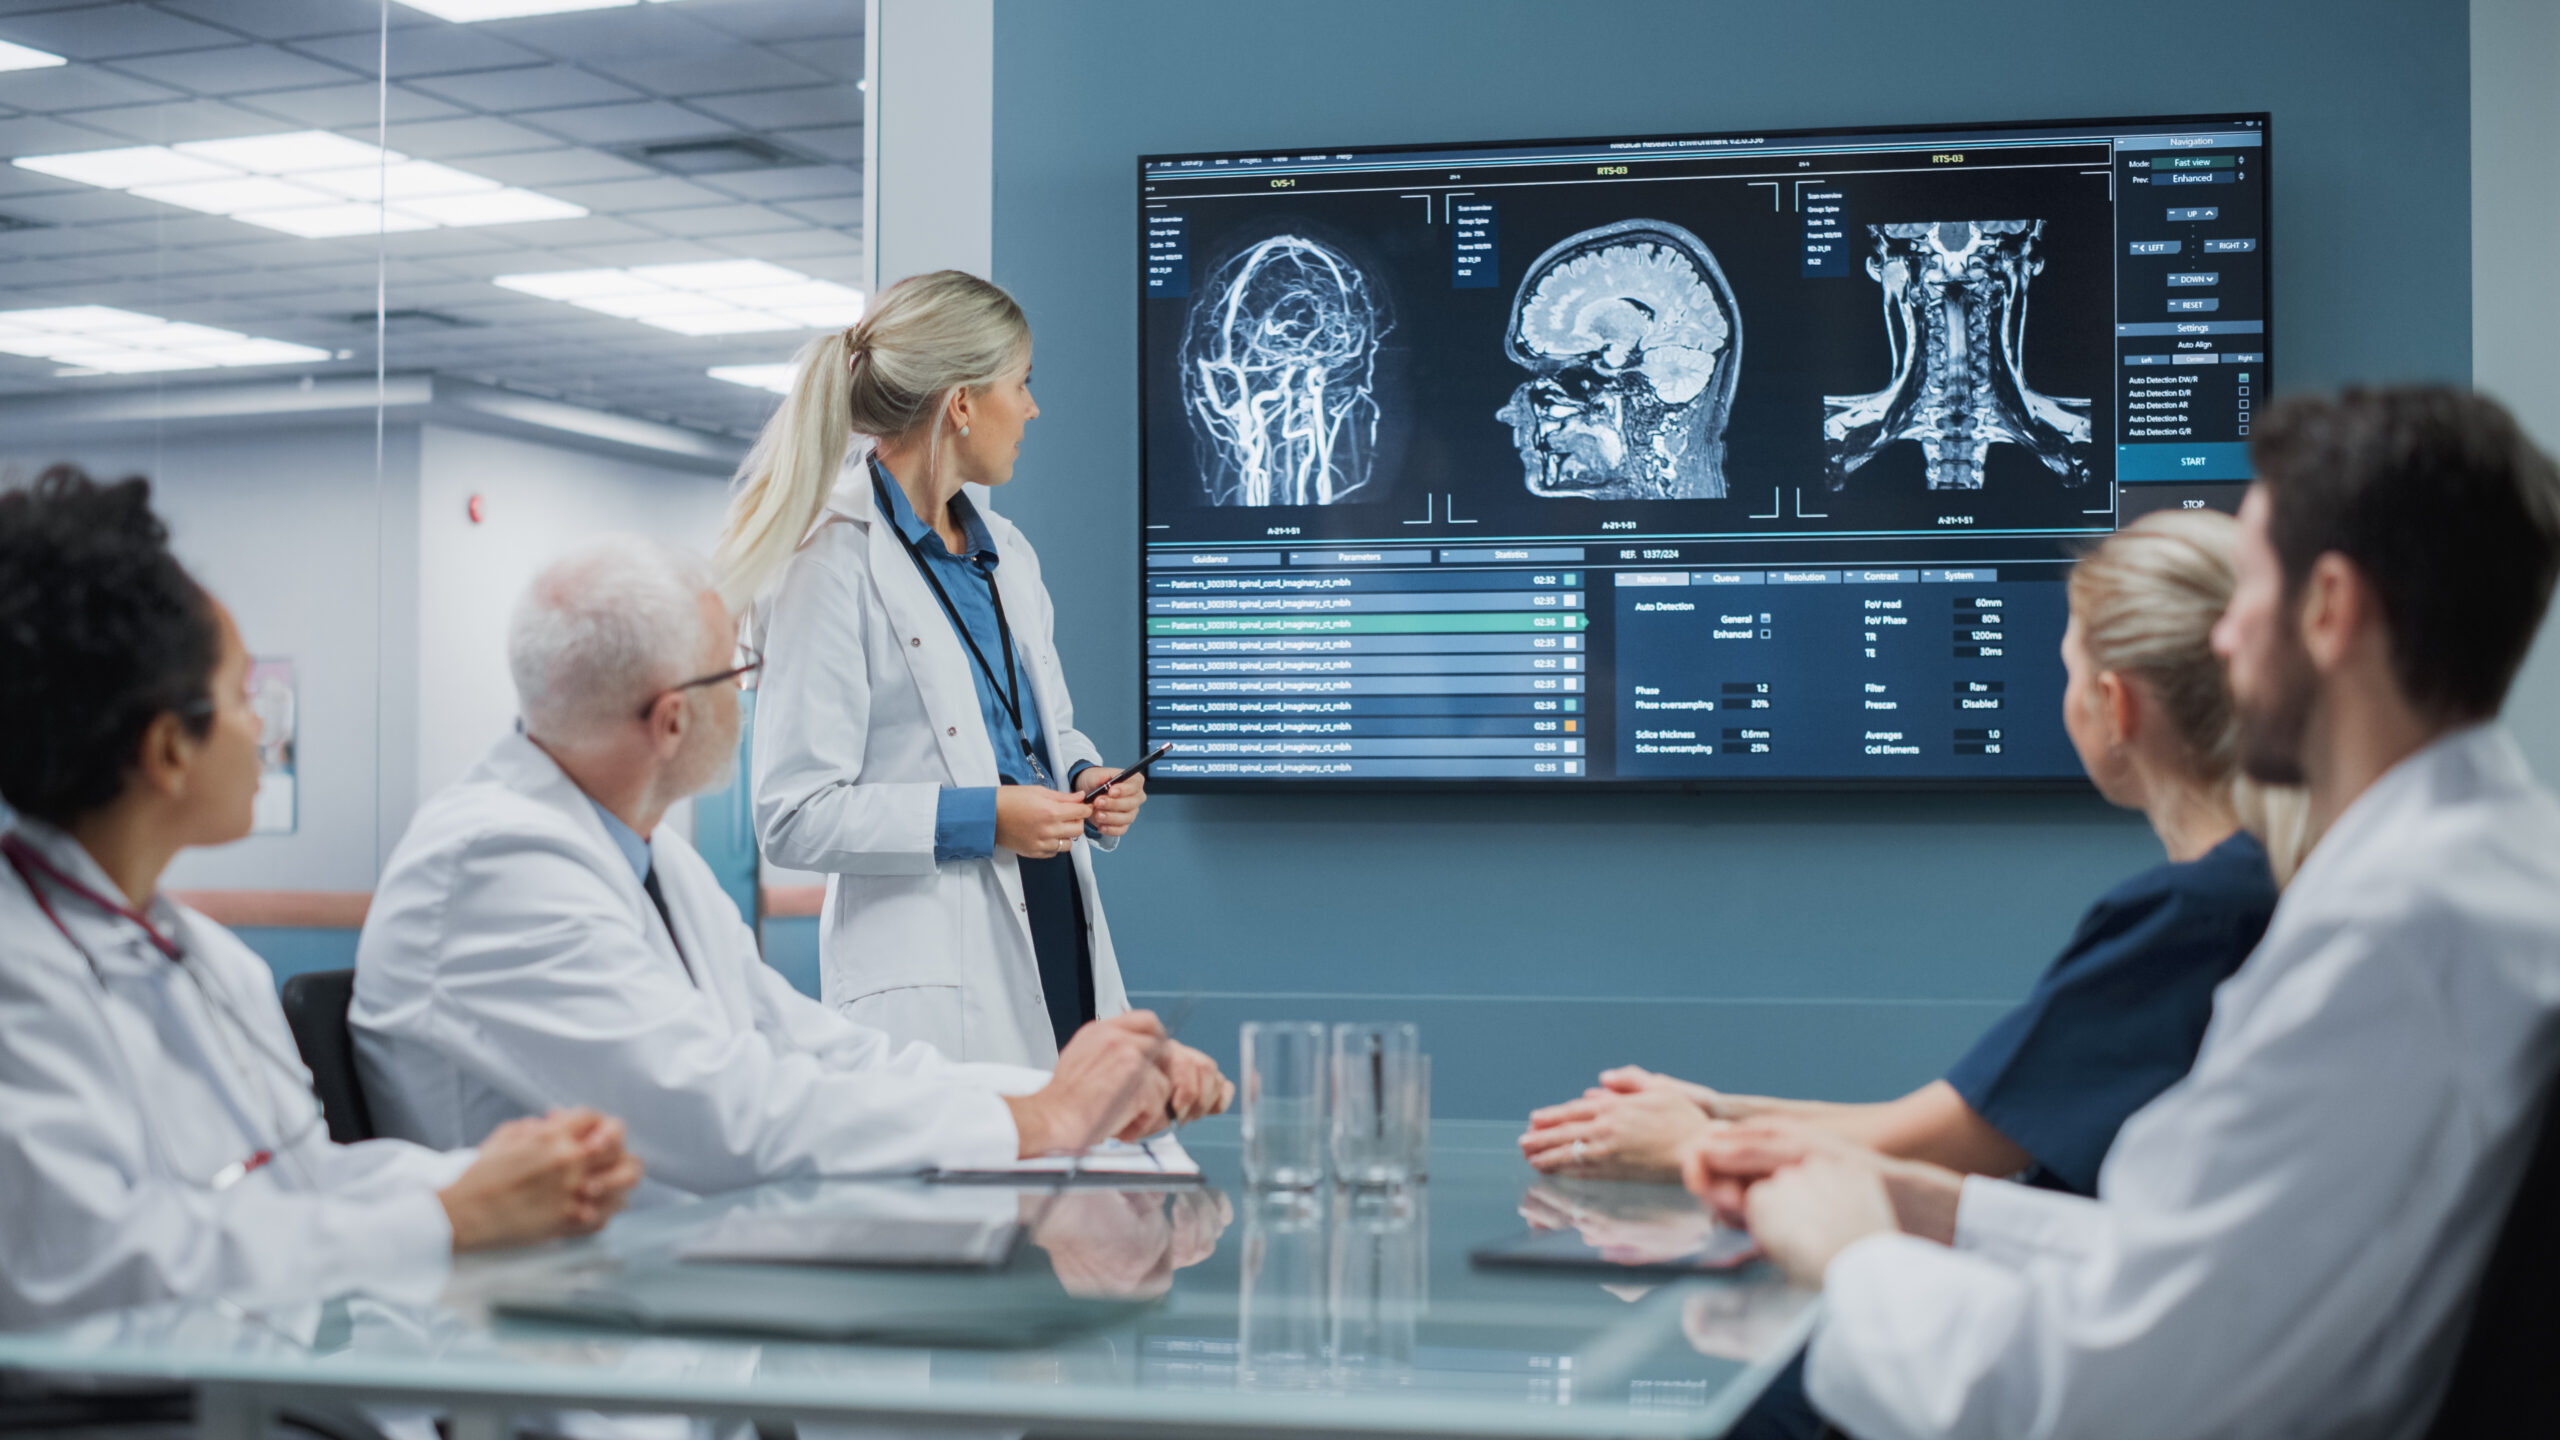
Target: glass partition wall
(393, 302)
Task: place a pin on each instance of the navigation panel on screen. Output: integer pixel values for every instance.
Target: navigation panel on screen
(1673, 461)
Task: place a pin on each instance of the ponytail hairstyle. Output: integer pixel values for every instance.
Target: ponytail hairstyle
(2147, 598)
(927, 336)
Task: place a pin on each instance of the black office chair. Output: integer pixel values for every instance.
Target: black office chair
(2505, 1378)
(315, 1006)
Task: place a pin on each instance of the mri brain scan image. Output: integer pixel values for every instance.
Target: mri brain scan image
(1279, 375)
(1955, 314)
(1633, 344)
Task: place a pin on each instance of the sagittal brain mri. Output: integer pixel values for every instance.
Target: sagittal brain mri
(1633, 343)
(1279, 375)
(1955, 315)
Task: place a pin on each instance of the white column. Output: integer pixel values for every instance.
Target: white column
(928, 138)
(2515, 289)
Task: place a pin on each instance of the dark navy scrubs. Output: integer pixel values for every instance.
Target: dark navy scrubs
(965, 819)
(2117, 1019)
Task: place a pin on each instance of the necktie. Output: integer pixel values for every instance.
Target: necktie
(658, 897)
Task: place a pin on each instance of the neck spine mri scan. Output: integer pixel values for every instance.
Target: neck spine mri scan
(1279, 375)
(1634, 343)
(1955, 313)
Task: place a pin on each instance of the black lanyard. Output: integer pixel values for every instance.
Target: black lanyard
(1009, 695)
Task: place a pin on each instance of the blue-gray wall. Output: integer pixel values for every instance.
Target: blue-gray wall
(1827, 945)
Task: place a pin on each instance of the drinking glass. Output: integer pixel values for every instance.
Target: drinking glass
(1284, 1099)
(1377, 1068)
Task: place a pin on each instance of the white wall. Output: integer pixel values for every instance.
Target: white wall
(2515, 312)
(541, 500)
(928, 189)
(285, 528)
(389, 601)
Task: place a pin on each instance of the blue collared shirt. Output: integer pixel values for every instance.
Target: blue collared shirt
(626, 840)
(965, 818)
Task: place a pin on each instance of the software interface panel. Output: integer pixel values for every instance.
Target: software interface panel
(1675, 460)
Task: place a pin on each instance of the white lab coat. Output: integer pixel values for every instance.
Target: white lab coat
(2285, 1242)
(867, 710)
(119, 1103)
(513, 963)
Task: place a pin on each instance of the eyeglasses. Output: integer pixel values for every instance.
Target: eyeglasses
(750, 661)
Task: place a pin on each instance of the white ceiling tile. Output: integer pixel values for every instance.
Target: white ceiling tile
(464, 137)
(830, 142)
(531, 87)
(803, 105)
(791, 182)
(347, 107)
(81, 207)
(42, 135)
(728, 218)
(770, 20)
(792, 246)
(560, 166)
(299, 19)
(846, 211)
(76, 87)
(619, 197)
(106, 32)
(426, 50)
(179, 120)
(652, 252)
(637, 121)
(737, 67)
(235, 69)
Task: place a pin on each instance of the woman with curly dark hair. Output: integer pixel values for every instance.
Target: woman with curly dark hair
(158, 1136)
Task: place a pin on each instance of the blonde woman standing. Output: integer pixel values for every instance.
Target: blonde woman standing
(914, 739)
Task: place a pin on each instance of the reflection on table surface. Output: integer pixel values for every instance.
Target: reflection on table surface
(1312, 1308)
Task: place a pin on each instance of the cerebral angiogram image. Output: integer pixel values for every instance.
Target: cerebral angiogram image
(1955, 314)
(1634, 345)
(1279, 375)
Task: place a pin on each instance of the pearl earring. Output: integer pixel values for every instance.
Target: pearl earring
(964, 431)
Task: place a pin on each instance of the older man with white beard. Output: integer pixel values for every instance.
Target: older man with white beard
(540, 938)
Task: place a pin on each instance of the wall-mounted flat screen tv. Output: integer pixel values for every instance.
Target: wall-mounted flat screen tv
(1675, 461)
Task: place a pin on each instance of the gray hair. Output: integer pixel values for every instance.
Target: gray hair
(600, 631)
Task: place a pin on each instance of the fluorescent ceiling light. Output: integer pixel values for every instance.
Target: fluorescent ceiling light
(297, 152)
(231, 197)
(329, 222)
(305, 182)
(103, 339)
(503, 206)
(124, 169)
(469, 11)
(711, 297)
(776, 378)
(27, 57)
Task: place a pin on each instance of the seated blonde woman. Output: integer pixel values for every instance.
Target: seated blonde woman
(2119, 1015)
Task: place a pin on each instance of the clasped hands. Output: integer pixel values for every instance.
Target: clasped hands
(1120, 1077)
(1806, 1193)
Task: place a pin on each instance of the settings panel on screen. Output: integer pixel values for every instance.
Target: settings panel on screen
(1672, 461)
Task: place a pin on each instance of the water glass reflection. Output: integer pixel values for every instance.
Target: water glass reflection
(1284, 1100)
(1381, 1250)
(1377, 1072)
(1280, 1306)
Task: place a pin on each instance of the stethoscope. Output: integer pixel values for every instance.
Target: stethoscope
(35, 872)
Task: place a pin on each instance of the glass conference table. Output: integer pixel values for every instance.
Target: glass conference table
(1189, 1311)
